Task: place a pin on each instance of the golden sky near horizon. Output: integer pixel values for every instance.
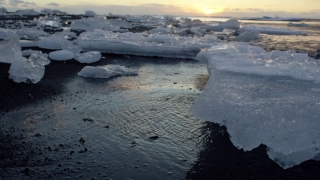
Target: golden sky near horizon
(205, 7)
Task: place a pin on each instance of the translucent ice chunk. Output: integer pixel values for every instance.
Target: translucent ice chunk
(144, 44)
(257, 96)
(88, 57)
(9, 46)
(106, 71)
(25, 70)
(62, 55)
(53, 42)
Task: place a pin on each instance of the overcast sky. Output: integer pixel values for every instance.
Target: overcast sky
(236, 8)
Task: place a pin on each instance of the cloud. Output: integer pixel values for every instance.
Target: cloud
(151, 9)
(253, 9)
(53, 4)
(21, 3)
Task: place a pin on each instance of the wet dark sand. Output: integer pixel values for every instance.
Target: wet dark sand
(23, 155)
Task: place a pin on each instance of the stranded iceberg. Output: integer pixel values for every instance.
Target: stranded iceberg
(261, 99)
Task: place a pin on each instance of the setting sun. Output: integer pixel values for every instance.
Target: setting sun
(208, 11)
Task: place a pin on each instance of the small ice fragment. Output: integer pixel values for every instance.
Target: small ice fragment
(106, 71)
(88, 57)
(23, 70)
(62, 55)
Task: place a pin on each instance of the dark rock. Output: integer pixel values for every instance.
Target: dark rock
(154, 137)
(106, 126)
(88, 119)
(82, 140)
(221, 37)
(38, 135)
(317, 56)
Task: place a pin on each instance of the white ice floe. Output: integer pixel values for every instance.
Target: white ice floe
(270, 30)
(62, 55)
(242, 58)
(32, 34)
(27, 43)
(143, 44)
(58, 41)
(257, 96)
(31, 69)
(298, 25)
(52, 42)
(106, 71)
(87, 24)
(88, 57)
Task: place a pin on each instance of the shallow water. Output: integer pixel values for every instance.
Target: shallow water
(156, 102)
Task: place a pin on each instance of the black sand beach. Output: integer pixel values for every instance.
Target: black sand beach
(130, 127)
(30, 150)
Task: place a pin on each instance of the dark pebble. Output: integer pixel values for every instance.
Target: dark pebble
(154, 137)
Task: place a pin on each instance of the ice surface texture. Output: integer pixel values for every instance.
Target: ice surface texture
(143, 44)
(53, 42)
(62, 55)
(106, 71)
(25, 70)
(243, 58)
(88, 57)
(9, 46)
(249, 92)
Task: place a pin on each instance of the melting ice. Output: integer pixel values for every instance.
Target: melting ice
(106, 71)
(263, 98)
